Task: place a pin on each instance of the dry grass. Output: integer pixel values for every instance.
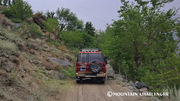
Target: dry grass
(10, 35)
(63, 48)
(7, 45)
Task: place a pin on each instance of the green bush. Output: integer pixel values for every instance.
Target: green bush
(77, 39)
(70, 72)
(72, 39)
(52, 25)
(30, 30)
(55, 43)
(16, 20)
(20, 10)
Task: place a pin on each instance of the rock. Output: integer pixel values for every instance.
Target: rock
(56, 74)
(62, 42)
(35, 61)
(154, 99)
(144, 89)
(35, 46)
(59, 62)
(17, 25)
(7, 65)
(118, 77)
(131, 83)
(110, 71)
(48, 65)
(39, 19)
(140, 85)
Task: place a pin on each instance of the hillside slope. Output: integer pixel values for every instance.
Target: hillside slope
(30, 69)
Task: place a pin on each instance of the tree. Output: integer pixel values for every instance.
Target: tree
(50, 14)
(20, 10)
(141, 43)
(5, 2)
(88, 40)
(73, 39)
(68, 20)
(89, 28)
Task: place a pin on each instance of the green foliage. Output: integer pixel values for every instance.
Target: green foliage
(99, 39)
(50, 14)
(30, 30)
(88, 40)
(70, 72)
(141, 44)
(52, 26)
(68, 20)
(55, 43)
(77, 39)
(72, 39)
(89, 28)
(16, 20)
(20, 10)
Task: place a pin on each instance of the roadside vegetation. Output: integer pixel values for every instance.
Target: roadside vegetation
(140, 45)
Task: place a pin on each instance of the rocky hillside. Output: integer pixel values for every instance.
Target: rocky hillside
(31, 69)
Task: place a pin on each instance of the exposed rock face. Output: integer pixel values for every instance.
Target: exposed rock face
(39, 19)
(59, 62)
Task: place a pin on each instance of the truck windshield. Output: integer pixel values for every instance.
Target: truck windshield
(89, 57)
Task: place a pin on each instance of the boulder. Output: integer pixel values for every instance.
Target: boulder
(59, 62)
(39, 19)
(119, 77)
(110, 71)
(140, 85)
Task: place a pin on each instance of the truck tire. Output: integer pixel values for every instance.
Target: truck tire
(95, 66)
(78, 81)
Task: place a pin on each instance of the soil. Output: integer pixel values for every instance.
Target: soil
(93, 91)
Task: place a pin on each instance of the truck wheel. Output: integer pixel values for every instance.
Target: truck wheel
(102, 82)
(78, 81)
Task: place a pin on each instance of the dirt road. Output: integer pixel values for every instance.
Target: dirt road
(98, 92)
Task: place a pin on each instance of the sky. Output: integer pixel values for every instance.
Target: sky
(99, 12)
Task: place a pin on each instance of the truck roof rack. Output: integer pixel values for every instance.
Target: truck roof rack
(90, 50)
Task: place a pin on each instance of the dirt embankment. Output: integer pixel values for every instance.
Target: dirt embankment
(30, 69)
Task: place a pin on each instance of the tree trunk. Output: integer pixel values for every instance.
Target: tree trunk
(136, 54)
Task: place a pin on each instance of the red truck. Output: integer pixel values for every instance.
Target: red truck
(91, 64)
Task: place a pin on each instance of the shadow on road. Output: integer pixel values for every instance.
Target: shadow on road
(91, 82)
